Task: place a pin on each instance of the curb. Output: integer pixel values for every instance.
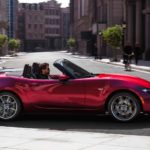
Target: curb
(133, 67)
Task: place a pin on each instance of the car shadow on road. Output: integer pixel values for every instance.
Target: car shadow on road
(97, 124)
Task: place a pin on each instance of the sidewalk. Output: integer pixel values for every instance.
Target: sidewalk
(8, 57)
(13, 138)
(142, 65)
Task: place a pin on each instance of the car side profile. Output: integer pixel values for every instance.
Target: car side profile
(75, 91)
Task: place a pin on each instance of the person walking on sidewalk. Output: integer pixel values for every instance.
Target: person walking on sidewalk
(127, 56)
(137, 53)
(95, 51)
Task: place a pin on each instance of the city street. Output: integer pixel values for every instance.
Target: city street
(88, 63)
(72, 132)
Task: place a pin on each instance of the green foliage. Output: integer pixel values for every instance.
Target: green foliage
(14, 44)
(3, 39)
(71, 42)
(113, 36)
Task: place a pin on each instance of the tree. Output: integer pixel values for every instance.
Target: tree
(113, 37)
(3, 39)
(14, 44)
(71, 42)
(18, 44)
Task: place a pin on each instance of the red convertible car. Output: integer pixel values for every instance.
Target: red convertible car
(75, 91)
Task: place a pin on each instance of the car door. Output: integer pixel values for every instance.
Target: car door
(96, 90)
(55, 94)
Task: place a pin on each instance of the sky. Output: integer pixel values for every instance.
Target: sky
(64, 3)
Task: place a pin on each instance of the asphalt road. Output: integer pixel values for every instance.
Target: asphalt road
(93, 124)
(97, 124)
(89, 64)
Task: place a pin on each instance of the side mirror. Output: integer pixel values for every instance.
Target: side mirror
(63, 78)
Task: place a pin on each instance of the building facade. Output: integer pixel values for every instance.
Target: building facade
(52, 18)
(109, 13)
(138, 25)
(12, 9)
(31, 26)
(3, 24)
(89, 18)
(65, 25)
(42, 25)
(80, 24)
(3, 17)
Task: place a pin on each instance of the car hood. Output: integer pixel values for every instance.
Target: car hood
(127, 78)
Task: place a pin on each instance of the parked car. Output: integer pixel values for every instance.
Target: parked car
(75, 91)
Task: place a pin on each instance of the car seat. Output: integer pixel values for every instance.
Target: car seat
(35, 70)
(27, 71)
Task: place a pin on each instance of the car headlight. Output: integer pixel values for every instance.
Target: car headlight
(146, 90)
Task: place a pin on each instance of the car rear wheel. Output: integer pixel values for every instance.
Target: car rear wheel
(124, 106)
(10, 106)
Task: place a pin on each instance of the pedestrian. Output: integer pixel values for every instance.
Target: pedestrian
(127, 56)
(95, 51)
(137, 53)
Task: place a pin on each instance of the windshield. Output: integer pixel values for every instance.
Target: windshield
(74, 70)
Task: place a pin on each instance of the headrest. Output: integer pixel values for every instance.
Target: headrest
(27, 71)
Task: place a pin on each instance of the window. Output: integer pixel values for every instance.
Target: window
(35, 17)
(35, 6)
(30, 7)
(29, 17)
(35, 26)
(57, 12)
(46, 11)
(41, 26)
(29, 26)
(46, 30)
(57, 31)
(41, 7)
(46, 21)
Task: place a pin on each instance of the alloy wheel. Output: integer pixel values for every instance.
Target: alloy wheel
(124, 107)
(9, 106)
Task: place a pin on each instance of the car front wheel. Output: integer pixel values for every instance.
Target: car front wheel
(124, 106)
(10, 106)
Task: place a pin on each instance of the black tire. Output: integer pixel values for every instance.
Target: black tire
(10, 106)
(124, 106)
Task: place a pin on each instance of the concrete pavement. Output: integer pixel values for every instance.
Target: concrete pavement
(12, 138)
(142, 65)
(5, 58)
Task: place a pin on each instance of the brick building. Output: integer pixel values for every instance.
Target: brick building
(31, 26)
(41, 24)
(52, 11)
